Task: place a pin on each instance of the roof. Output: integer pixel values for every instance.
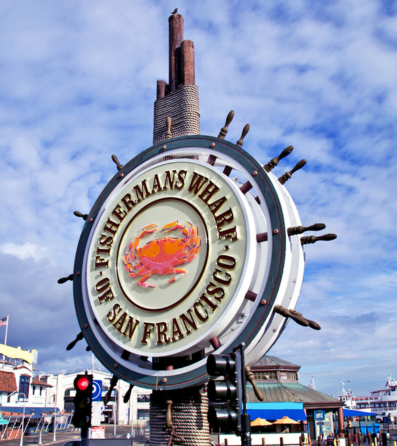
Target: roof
(37, 382)
(272, 362)
(292, 392)
(8, 382)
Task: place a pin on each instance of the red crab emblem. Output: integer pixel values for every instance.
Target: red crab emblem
(161, 256)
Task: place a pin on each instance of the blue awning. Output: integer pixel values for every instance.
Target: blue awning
(275, 411)
(357, 413)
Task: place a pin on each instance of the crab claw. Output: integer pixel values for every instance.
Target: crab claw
(141, 282)
(148, 230)
(172, 227)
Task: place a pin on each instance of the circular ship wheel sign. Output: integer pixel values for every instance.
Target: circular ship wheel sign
(169, 267)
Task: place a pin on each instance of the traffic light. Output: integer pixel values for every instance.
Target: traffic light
(82, 401)
(224, 395)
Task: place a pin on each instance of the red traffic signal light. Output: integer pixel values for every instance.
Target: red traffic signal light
(81, 383)
(82, 403)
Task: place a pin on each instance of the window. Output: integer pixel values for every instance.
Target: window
(34, 389)
(9, 397)
(265, 375)
(319, 415)
(24, 382)
(142, 398)
(41, 390)
(143, 414)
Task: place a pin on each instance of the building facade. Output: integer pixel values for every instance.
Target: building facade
(19, 386)
(278, 381)
(21, 389)
(136, 410)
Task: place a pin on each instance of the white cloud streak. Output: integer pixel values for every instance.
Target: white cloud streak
(78, 84)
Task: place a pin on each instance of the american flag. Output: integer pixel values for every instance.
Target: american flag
(3, 322)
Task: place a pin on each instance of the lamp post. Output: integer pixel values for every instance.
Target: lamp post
(55, 419)
(23, 416)
(116, 397)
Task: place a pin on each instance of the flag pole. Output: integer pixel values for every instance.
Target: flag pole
(5, 337)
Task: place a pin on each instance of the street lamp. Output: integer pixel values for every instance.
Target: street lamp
(116, 397)
(55, 419)
(23, 416)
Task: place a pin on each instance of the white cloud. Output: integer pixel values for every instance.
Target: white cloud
(78, 84)
(24, 251)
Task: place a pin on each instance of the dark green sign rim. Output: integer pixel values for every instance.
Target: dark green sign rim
(198, 375)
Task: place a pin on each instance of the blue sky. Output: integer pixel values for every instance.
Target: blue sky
(78, 82)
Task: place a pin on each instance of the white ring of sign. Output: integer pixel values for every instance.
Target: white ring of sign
(195, 340)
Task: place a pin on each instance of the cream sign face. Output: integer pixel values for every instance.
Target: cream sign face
(169, 258)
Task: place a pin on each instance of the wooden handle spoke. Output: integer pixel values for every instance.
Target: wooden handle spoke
(274, 162)
(288, 175)
(79, 337)
(79, 214)
(128, 394)
(115, 159)
(65, 279)
(168, 122)
(313, 239)
(294, 315)
(168, 415)
(224, 129)
(301, 229)
(251, 379)
(243, 135)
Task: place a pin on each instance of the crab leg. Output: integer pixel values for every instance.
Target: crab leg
(172, 227)
(148, 230)
(175, 271)
(142, 282)
(186, 260)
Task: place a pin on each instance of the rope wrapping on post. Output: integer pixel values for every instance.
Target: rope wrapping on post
(189, 417)
(182, 106)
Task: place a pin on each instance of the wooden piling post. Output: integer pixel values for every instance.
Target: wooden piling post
(175, 39)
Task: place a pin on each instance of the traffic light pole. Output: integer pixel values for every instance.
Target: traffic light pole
(228, 397)
(84, 435)
(241, 386)
(83, 405)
